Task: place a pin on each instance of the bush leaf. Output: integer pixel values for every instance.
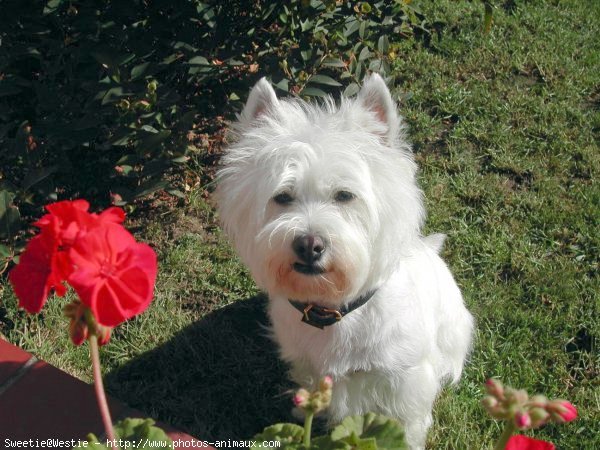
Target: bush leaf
(324, 79)
(10, 218)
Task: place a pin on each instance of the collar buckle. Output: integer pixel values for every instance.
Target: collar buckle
(321, 317)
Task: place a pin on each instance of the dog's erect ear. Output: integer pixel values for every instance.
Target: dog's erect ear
(375, 96)
(261, 100)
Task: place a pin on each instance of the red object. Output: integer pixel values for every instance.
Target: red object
(36, 274)
(521, 442)
(522, 420)
(112, 274)
(566, 410)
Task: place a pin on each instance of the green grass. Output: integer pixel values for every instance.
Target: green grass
(506, 129)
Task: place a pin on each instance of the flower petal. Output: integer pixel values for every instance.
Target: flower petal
(112, 214)
(32, 278)
(122, 271)
(521, 442)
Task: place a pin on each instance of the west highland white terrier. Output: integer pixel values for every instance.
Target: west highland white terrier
(322, 204)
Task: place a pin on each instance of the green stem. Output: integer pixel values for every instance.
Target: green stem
(308, 428)
(99, 387)
(509, 428)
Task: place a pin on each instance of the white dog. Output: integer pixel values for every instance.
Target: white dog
(322, 205)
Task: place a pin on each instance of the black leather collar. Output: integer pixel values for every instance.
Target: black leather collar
(321, 317)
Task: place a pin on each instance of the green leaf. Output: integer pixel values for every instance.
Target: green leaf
(153, 140)
(326, 443)
(131, 429)
(306, 25)
(363, 28)
(35, 176)
(139, 70)
(383, 45)
(51, 6)
(135, 433)
(313, 92)
(323, 79)
(333, 62)
(358, 70)
(289, 434)
(111, 95)
(351, 90)
(282, 85)
(351, 28)
(10, 217)
(387, 432)
(306, 54)
(199, 61)
(150, 187)
(364, 54)
(4, 251)
(176, 193)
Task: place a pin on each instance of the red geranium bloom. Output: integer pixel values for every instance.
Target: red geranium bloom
(521, 442)
(45, 265)
(73, 217)
(37, 273)
(113, 275)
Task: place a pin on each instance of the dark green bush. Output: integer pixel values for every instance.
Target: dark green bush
(100, 96)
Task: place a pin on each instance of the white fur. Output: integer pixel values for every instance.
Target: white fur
(393, 354)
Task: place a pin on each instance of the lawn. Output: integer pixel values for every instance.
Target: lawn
(505, 127)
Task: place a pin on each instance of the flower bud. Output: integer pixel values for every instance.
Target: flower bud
(326, 383)
(522, 420)
(539, 416)
(301, 398)
(494, 388)
(78, 332)
(115, 199)
(489, 402)
(326, 398)
(142, 104)
(103, 334)
(320, 401)
(538, 401)
(562, 411)
(124, 104)
(516, 396)
(78, 328)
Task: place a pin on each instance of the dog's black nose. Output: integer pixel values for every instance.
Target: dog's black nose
(309, 248)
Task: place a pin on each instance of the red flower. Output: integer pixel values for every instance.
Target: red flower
(73, 218)
(45, 265)
(113, 275)
(521, 442)
(37, 273)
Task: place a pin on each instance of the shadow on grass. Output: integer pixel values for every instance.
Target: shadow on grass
(217, 379)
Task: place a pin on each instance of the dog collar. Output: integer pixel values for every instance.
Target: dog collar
(321, 317)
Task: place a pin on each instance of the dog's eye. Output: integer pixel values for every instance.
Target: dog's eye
(283, 199)
(343, 196)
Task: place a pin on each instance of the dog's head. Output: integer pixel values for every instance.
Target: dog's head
(320, 201)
